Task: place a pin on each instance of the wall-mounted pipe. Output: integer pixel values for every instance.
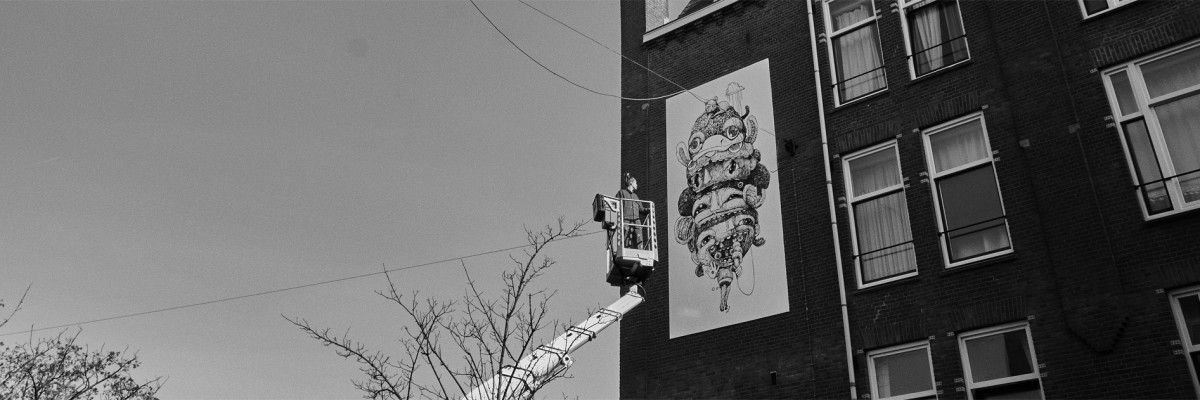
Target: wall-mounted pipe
(833, 222)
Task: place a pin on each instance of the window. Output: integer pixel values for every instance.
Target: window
(902, 372)
(883, 248)
(970, 212)
(1155, 103)
(1000, 363)
(1094, 7)
(854, 49)
(935, 34)
(1186, 307)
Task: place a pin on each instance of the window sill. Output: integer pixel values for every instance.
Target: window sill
(941, 71)
(981, 263)
(1108, 11)
(887, 285)
(684, 20)
(859, 100)
(1172, 215)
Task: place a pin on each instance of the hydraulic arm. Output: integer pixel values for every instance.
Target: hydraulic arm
(631, 250)
(552, 359)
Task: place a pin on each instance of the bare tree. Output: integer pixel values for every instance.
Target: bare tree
(451, 346)
(59, 369)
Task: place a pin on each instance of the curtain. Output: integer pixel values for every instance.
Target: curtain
(971, 196)
(958, 146)
(858, 53)
(1181, 128)
(927, 39)
(1173, 73)
(883, 377)
(881, 222)
(935, 28)
(874, 172)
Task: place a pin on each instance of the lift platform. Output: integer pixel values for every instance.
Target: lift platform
(632, 247)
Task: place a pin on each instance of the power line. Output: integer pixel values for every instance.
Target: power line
(280, 290)
(560, 76)
(611, 50)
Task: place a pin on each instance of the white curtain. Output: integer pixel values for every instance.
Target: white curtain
(928, 38)
(1180, 122)
(958, 146)
(875, 171)
(932, 27)
(883, 221)
(1173, 73)
(858, 53)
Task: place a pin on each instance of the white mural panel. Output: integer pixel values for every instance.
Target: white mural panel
(725, 224)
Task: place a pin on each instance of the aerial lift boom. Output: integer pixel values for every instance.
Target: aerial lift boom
(631, 250)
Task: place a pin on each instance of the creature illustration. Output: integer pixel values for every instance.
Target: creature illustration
(726, 183)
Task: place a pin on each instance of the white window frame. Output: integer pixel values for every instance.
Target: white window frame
(684, 20)
(908, 45)
(997, 330)
(934, 176)
(1112, 5)
(851, 199)
(871, 356)
(1185, 339)
(1144, 104)
(833, 64)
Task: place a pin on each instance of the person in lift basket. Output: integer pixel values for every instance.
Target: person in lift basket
(634, 212)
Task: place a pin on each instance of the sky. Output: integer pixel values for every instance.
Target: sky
(160, 154)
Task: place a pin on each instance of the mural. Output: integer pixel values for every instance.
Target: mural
(726, 220)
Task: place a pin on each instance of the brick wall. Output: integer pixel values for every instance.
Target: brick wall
(1086, 270)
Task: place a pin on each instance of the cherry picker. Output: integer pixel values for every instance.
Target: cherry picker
(631, 250)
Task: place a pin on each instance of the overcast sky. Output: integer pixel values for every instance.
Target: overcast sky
(157, 154)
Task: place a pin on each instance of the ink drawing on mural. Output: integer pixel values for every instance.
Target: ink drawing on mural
(727, 254)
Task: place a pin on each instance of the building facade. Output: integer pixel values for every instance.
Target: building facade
(952, 199)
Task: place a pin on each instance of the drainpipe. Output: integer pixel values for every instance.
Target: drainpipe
(837, 248)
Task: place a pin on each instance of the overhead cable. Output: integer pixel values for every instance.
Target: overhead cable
(385, 271)
(539, 63)
(611, 50)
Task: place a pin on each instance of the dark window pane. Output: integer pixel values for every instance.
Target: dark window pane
(999, 356)
(1145, 163)
(903, 373)
(1144, 158)
(970, 197)
(973, 214)
(1124, 91)
(1095, 6)
(1196, 363)
(1189, 306)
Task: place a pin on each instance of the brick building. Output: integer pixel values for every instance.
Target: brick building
(977, 199)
